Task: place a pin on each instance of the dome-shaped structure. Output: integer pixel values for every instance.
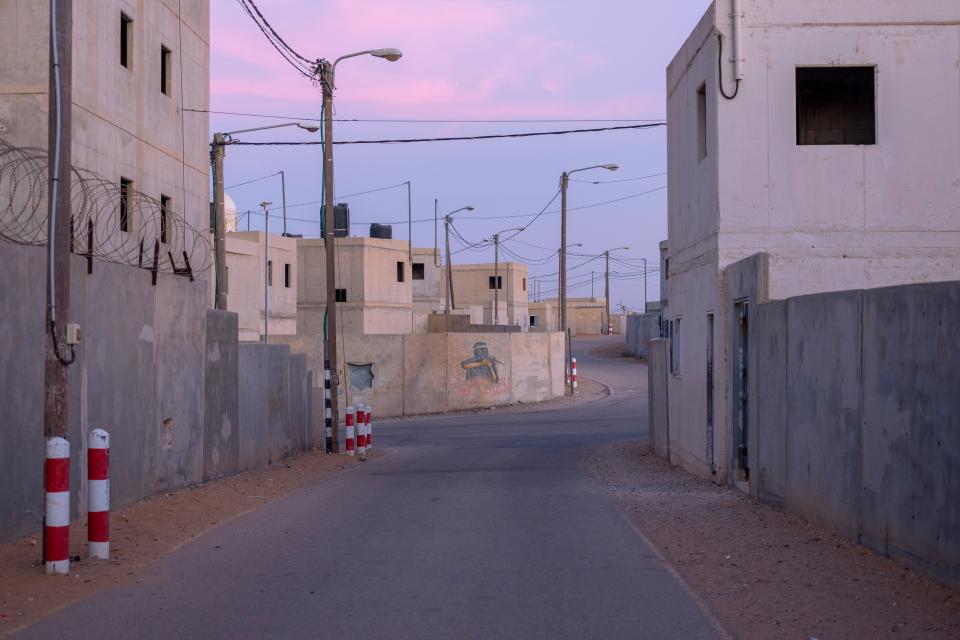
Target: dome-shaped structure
(229, 213)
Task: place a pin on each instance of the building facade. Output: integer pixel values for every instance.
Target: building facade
(474, 284)
(805, 145)
(428, 292)
(247, 275)
(374, 286)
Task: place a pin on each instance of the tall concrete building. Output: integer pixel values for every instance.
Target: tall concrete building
(829, 138)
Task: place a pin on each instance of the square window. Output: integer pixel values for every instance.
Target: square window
(495, 279)
(126, 40)
(165, 59)
(417, 271)
(836, 106)
(341, 295)
(400, 272)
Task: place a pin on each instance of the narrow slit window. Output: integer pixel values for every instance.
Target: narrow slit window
(269, 273)
(165, 71)
(125, 187)
(836, 106)
(702, 122)
(400, 277)
(164, 220)
(126, 39)
(287, 276)
(524, 284)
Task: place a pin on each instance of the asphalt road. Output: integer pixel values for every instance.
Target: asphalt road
(475, 526)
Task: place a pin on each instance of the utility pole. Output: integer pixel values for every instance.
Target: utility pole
(606, 289)
(644, 285)
(266, 269)
(56, 393)
(329, 248)
(496, 278)
(436, 251)
(409, 227)
(450, 300)
(283, 196)
(562, 296)
(591, 285)
(219, 227)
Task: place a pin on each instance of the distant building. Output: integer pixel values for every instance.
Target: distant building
(474, 284)
(819, 157)
(374, 286)
(246, 280)
(428, 292)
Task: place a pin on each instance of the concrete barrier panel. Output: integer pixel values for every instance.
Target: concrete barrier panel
(558, 371)
(221, 439)
(381, 356)
(424, 374)
(478, 369)
(531, 371)
(658, 370)
(911, 426)
(770, 342)
(823, 404)
(254, 415)
(297, 406)
(278, 401)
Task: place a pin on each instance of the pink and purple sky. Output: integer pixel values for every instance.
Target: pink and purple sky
(483, 59)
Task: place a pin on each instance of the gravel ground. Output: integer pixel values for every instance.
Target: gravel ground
(766, 574)
(145, 532)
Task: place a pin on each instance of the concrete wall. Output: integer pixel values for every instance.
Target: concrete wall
(658, 372)
(419, 374)
(858, 419)
(641, 328)
(221, 441)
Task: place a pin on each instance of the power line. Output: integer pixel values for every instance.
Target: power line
(301, 64)
(528, 134)
(240, 184)
(655, 175)
(430, 121)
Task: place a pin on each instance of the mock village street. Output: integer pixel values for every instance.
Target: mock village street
(474, 526)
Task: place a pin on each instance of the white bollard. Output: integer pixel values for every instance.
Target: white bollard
(98, 491)
(369, 427)
(348, 420)
(573, 375)
(56, 526)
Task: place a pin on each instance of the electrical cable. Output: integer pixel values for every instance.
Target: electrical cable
(252, 180)
(736, 88)
(528, 134)
(429, 121)
(655, 175)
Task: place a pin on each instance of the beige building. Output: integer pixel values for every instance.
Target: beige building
(585, 316)
(245, 283)
(473, 284)
(542, 316)
(374, 286)
(428, 292)
(135, 66)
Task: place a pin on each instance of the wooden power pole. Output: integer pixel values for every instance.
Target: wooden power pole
(330, 230)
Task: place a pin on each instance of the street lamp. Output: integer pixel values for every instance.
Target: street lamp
(217, 151)
(447, 220)
(606, 289)
(328, 83)
(266, 268)
(496, 271)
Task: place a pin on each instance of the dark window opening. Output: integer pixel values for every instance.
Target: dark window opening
(125, 187)
(524, 284)
(534, 321)
(126, 37)
(417, 273)
(702, 122)
(165, 58)
(836, 105)
(399, 272)
(341, 295)
(269, 273)
(499, 282)
(287, 275)
(164, 211)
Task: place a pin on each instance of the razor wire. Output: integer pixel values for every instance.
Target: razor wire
(109, 221)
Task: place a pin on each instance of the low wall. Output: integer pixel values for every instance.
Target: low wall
(155, 369)
(641, 328)
(858, 417)
(658, 370)
(438, 372)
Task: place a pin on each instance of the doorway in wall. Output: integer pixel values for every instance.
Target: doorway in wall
(710, 395)
(741, 398)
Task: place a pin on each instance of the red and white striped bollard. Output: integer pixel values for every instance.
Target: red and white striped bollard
(348, 420)
(56, 526)
(361, 431)
(369, 427)
(573, 375)
(98, 492)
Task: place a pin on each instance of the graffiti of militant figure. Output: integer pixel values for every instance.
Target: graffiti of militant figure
(481, 365)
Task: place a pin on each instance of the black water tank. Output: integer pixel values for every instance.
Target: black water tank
(382, 231)
(341, 220)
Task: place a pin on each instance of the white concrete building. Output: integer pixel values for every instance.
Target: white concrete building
(836, 152)
(247, 276)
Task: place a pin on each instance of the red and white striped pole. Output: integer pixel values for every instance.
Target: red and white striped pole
(98, 490)
(361, 431)
(609, 328)
(369, 427)
(573, 375)
(56, 525)
(348, 419)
